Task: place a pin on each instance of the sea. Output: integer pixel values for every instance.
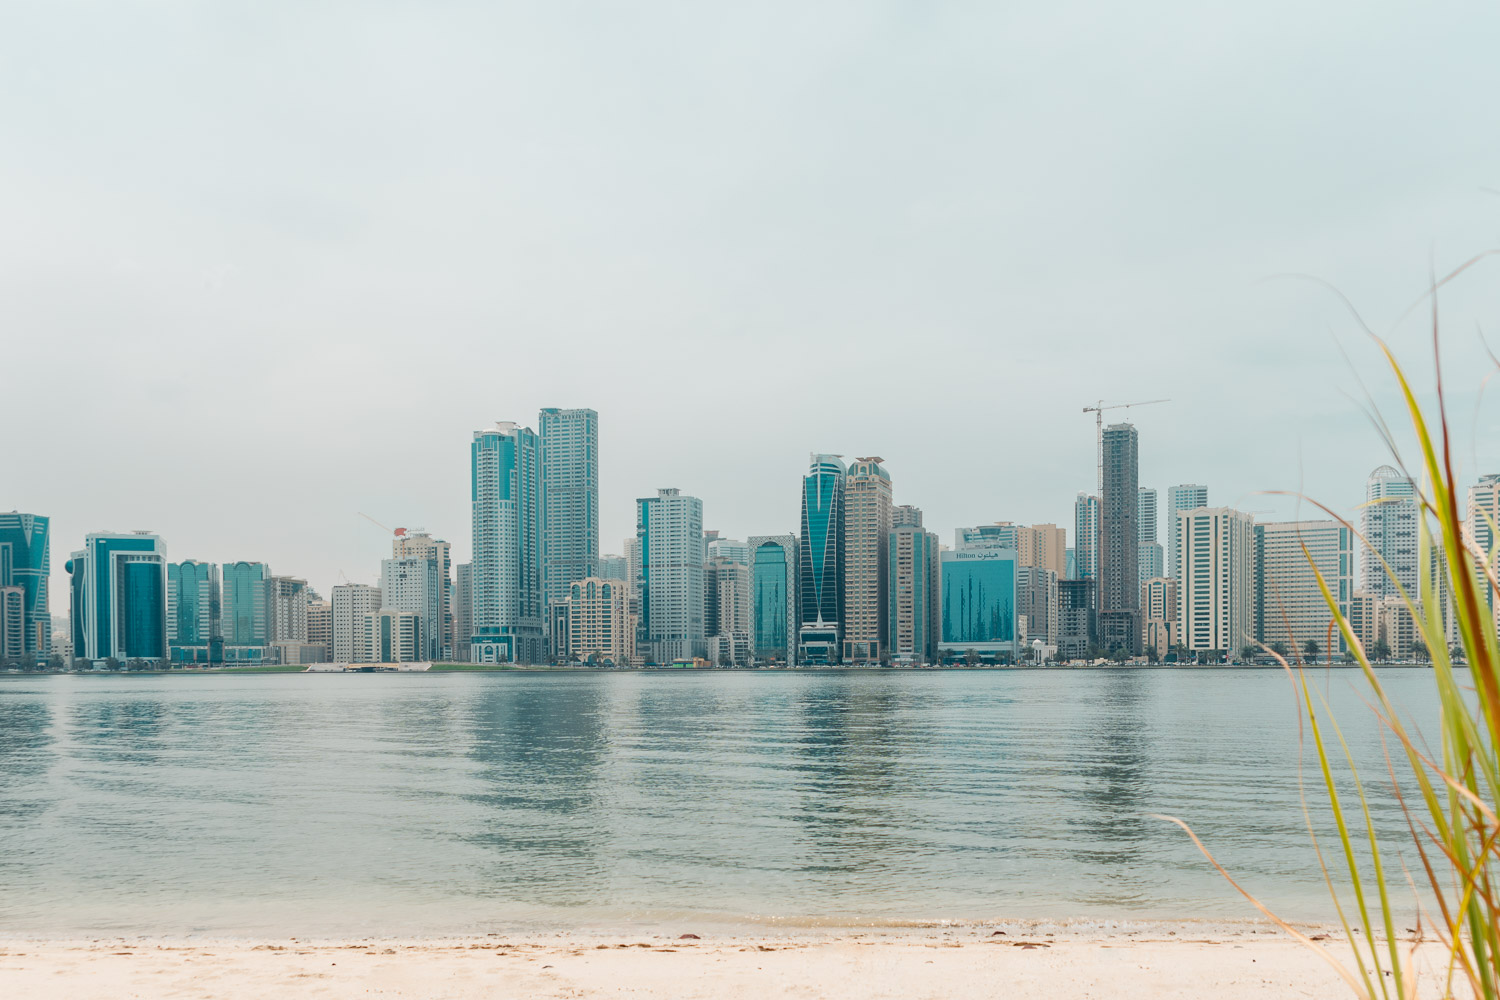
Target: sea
(454, 803)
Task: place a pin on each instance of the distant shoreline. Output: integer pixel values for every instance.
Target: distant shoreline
(470, 668)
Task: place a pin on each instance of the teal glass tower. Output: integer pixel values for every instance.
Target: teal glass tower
(821, 561)
(506, 571)
(119, 597)
(192, 611)
(978, 595)
(570, 498)
(25, 562)
(773, 597)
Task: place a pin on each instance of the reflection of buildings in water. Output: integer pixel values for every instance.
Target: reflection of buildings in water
(540, 745)
(26, 739)
(848, 765)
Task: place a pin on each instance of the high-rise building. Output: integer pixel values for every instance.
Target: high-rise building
(820, 570)
(193, 612)
(26, 562)
(12, 624)
(507, 567)
(773, 598)
(978, 596)
(614, 568)
(1119, 542)
(1389, 524)
(1290, 607)
(1077, 615)
(600, 627)
(392, 636)
(1037, 607)
(1152, 558)
(1188, 496)
(352, 605)
(727, 612)
(245, 612)
(867, 552)
(570, 498)
(411, 584)
(463, 610)
(669, 528)
(1159, 615)
(915, 594)
(437, 614)
(1482, 539)
(1216, 596)
(119, 597)
(320, 626)
(1044, 546)
(729, 548)
(1086, 537)
(906, 514)
(288, 609)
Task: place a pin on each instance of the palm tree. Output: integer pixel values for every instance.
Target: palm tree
(1248, 653)
(1312, 649)
(1379, 650)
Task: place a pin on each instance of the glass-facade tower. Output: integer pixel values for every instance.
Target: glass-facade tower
(773, 597)
(570, 498)
(506, 571)
(821, 561)
(25, 562)
(119, 597)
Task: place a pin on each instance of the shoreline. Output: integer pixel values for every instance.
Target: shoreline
(465, 668)
(1016, 960)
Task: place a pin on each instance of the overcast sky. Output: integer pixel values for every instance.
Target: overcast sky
(265, 266)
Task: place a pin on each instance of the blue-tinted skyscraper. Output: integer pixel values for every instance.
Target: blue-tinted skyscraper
(25, 562)
(821, 561)
(245, 611)
(570, 498)
(978, 596)
(773, 597)
(119, 597)
(193, 611)
(507, 565)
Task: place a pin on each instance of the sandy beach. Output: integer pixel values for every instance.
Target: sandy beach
(1012, 961)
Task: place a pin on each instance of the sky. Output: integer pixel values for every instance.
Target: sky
(267, 266)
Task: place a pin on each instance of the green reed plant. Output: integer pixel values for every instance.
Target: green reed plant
(1448, 791)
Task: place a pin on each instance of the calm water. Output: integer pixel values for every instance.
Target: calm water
(440, 803)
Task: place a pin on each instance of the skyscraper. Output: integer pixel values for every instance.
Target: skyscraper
(411, 584)
(437, 615)
(1480, 523)
(726, 614)
(320, 626)
(614, 568)
(288, 608)
(906, 514)
(119, 597)
(1086, 537)
(570, 499)
(669, 527)
(1152, 560)
(1389, 524)
(507, 565)
(1290, 607)
(1119, 542)
(193, 611)
(245, 612)
(773, 598)
(1188, 496)
(867, 550)
(821, 561)
(463, 610)
(1216, 597)
(26, 562)
(978, 595)
(915, 611)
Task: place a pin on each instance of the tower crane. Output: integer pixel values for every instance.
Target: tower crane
(1098, 411)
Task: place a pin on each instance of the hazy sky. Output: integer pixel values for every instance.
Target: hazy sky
(264, 266)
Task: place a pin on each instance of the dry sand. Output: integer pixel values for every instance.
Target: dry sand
(1022, 961)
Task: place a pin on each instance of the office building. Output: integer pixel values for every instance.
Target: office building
(437, 613)
(1044, 546)
(669, 529)
(726, 615)
(463, 610)
(1388, 521)
(773, 598)
(906, 514)
(915, 611)
(1152, 558)
(1000, 535)
(119, 597)
(1119, 542)
(1037, 606)
(392, 636)
(1483, 540)
(288, 609)
(820, 588)
(1188, 496)
(1290, 607)
(245, 612)
(12, 624)
(1216, 611)
(570, 498)
(193, 612)
(26, 562)
(867, 540)
(412, 584)
(1086, 537)
(1077, 618)
(352, 605)
(1364, 620)
(728, 548)
(600, 627)
(978, 597)
(509, 606)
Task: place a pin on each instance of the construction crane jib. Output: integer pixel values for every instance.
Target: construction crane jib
(1098, 411)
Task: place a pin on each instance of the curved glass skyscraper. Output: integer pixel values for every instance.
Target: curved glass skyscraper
(821, 562)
